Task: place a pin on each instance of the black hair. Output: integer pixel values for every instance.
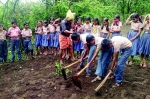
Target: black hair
(89, 38)
(96, 19)
(13, 22)
(74, 36)
(79, 19)
(135, 16)
(117, 16)
(107, 26)
(88, 18)
(105, 43)
(59, 20)
(40, 21)
(26, 23)
(46, 22)
(52, 19)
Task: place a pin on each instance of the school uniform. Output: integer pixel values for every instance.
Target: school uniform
(104, 32)
(3, 46)
(15, 42)
(114, 27)
(64, 38)
(125, 45)
(52, 35)
(145, 41)
(96, 30)
(56, 40)
(92, 49)
(78, 46)
(45, 36)
(132, 33)
(38, 38)
(87, 28)
(26, 34)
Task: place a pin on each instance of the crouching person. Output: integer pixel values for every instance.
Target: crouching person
(91, 43)
(123, 44)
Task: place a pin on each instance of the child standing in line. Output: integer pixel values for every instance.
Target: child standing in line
(45, 37)
(116, 26)
(105, 29)
(3, 45)
(79, 46)
(38, 38)
(56, 37)
(27, 34)
(134, 34)
(144, 48)
(96, 27)
(14, 33)
(52, 28)
(87, 27)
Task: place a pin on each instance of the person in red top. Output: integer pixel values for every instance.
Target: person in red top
(64, 38)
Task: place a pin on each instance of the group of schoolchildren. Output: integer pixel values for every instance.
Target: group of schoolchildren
(95, 38)
(46, 38)
(86, 39)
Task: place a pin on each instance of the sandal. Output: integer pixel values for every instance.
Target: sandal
(130, 63)
(96, 79)
(127, 62)
(116, 85)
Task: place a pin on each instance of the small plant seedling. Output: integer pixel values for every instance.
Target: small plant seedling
(59, 68)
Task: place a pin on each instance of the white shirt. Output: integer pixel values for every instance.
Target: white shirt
(83, 38)
(120, 42)
(98, 40)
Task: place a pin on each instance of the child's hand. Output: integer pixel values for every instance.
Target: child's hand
(47, 38)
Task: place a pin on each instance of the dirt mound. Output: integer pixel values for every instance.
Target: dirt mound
(36, 79)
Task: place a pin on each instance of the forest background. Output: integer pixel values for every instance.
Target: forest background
(33, 10)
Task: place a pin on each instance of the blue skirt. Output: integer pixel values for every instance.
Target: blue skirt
(135, 43)
(145, 44)
(81, 46)
(38, 40)
(104, 35)
(76, 46)
(44, 40)
(56, 40)
(51, 40)
(116, 34)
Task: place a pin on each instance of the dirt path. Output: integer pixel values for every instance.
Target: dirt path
(36, 79)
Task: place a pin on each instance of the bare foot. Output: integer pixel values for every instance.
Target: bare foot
(61, 62)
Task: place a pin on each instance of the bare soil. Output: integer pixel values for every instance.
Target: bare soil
(36, 79)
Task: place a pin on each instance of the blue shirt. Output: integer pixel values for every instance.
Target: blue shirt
(65, 26)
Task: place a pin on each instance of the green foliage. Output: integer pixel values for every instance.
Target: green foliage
(59, 68)
(44, 9)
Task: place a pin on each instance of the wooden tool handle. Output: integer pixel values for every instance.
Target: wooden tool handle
(82, 70)
(102, 83)
(74, 63)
